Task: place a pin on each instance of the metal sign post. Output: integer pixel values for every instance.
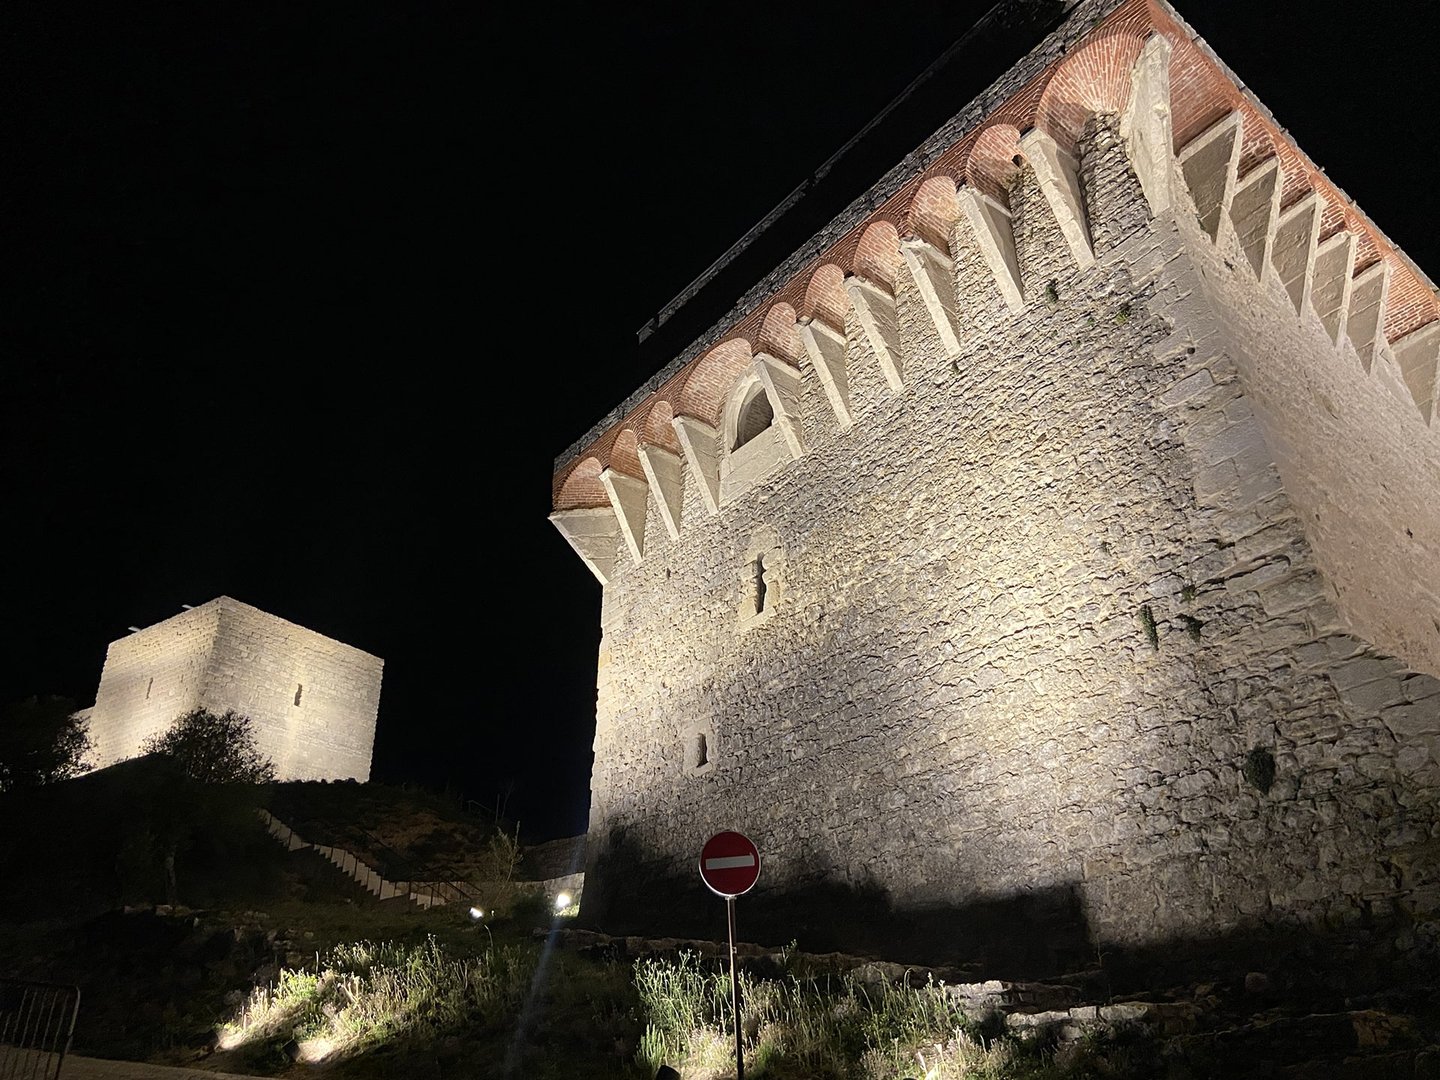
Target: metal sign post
(730, 866)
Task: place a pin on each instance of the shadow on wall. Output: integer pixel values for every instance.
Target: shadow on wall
(1039, 934)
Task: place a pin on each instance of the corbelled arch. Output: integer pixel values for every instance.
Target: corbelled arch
(934, 211)
(994, 160)
(657, 428)
(1199, 94)
(707, 385)
(825, 298)
(877, 255)
(625, 453)
(1093, 80)
(777, 334)
(1257, 145)
(581, 488)
(871, 288)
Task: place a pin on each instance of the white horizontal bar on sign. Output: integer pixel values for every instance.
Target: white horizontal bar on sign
(729, 862)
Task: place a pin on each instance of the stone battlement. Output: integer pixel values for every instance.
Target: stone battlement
(1142, 63)
(1070, 531)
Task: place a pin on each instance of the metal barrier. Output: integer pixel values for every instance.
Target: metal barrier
(36, 1023)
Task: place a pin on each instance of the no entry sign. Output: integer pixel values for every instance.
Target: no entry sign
(729, 864)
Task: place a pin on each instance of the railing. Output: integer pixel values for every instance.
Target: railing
(426, 886)
(37, 1021)
(442, 884)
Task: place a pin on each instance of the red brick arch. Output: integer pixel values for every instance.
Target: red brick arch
(656, 428)
(708, 384)
(825, 297)
(934, 210)
(992, 162)
(1199, 93)
(1257, 145)
(581, 487)
(777, 334)
(877, 256)
(625, 454)
(1094, 79)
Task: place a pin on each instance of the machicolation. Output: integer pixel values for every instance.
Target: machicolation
(1060, 528)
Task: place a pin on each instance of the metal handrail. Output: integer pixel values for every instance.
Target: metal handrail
(37, 1023)
(439, 882)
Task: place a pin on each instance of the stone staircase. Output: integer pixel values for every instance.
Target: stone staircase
(423, 894)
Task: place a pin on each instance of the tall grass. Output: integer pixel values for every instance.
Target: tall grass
(367, 993)
(830, 1027)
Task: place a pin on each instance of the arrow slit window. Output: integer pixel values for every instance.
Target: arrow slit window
(699, 750)
(761, 579)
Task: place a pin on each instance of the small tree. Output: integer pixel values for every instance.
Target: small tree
(209, 749)
(41, 741)
(214, 749)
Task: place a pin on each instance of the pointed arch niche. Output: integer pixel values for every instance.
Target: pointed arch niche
(759, 431)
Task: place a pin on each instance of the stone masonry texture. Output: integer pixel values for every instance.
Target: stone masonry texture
(313, 700)
(1133, 600)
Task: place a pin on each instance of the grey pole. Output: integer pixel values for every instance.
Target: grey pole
(735, 991)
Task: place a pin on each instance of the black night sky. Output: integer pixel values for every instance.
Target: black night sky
(303, 299)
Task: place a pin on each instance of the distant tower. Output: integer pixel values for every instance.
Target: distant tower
(313, 700)
(1063, 520)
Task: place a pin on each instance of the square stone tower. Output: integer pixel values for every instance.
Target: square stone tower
(313, 700)
(1062, 521)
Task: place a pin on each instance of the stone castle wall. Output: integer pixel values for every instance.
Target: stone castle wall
(313, 700)
(150, 678)
(1043, 618)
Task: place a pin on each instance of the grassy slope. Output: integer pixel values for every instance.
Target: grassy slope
(155, 986)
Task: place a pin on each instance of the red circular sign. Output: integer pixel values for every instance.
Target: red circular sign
(729, 864)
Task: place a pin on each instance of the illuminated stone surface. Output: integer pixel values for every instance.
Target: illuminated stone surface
(1030, 608)
(313, 700)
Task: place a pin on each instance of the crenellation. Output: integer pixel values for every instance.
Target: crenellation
(1022, 605)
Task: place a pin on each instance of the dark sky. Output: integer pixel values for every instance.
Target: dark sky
(303, 299)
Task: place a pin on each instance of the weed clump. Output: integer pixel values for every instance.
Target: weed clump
(362, 995)
(835, 1026)
(1147, 623)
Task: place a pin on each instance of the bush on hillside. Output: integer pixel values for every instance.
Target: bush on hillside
(214, 748)
(41, 741)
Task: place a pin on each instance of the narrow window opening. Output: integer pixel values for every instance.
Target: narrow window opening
(760, 586)
(150, 686)
(696, 749)
(299, 689)
(756, 414)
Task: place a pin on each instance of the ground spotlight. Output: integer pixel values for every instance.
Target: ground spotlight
(562, 901)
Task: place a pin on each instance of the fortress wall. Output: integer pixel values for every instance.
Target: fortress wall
(151, 677)
(1032, 621)
(227, 655)
(1361, 465)
(258, 665)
